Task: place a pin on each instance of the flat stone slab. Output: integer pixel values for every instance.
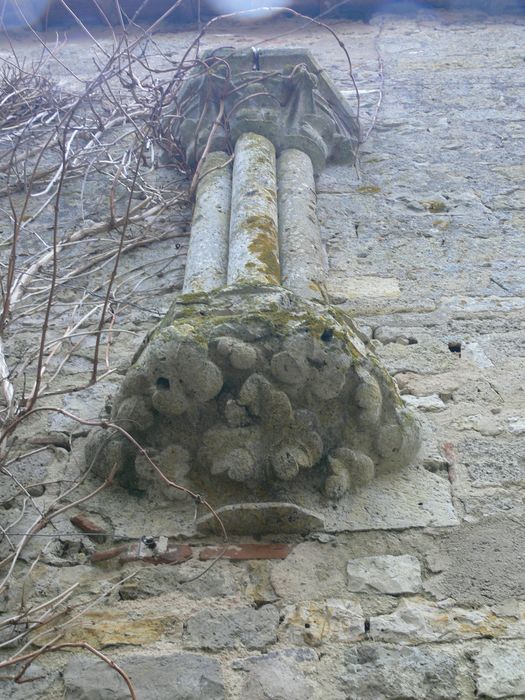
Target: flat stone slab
(500, 670)
(261, 519)
(413, 497)
(384, 574)
(158, 677)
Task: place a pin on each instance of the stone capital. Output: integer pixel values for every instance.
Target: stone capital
(281, 94)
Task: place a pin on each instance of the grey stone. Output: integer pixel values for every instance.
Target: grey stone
(253, 255)
(318, 622)
(227, 629)
(301, 252)
(290, 110)
(38, 683)
(500, 670)
(424, 403)
(493, 461)
(156, 677)
(385, 574)
(293, 655)
(467, 551)
(261, 518)
(377, 672)
(207, 258)
(152, 581)
(276, 680)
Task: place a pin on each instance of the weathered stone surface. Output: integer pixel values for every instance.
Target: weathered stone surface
(251, 387)
(261, 518)
(500, 670)
(253, 253)
(156, 677)
(493, 461)
(424, 403)
(418, 621)
(207, 258)
(246, 551)
(38, 683)
(311, 572)
(363, 287)
(465, 575)
(384, 574)
(219, 582)
(226, 629)
(276, 680)
(295, 105)
(110, 628)
(317, 622)
(377, 672)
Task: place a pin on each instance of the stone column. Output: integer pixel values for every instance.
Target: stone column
(302, 256)
(254, 254)
(254, 387)
(207, 259)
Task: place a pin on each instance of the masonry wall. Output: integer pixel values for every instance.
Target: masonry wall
(424, 595)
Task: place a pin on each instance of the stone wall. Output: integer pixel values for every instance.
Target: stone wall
(422, 593)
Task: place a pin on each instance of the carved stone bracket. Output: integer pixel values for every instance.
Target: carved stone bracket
(242, 389)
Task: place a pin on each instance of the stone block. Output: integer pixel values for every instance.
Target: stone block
(500, 670)
(377, 672)
(425, 403)
(466, 577)
(228, 629)
(384, 574)
(276, 680)
(157, 677)
(316, 622)
(416, 621)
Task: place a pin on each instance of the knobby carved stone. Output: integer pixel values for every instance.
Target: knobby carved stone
(257, 386)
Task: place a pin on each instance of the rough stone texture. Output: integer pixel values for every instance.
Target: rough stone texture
(384, 574)
(425, 241)
(255, 387)
(215, 630)
(318, 622)
(376, 672)
(276, 680)
(155, 677)
(466, 573)
(299, 106)
(500, 671)
(419, 621)
(301, 251)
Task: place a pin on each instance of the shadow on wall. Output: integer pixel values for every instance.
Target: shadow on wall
(53, 14)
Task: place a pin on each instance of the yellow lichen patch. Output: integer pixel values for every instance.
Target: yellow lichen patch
(435, 205)
(264, 247)
(368, 189)
(108, 628)
(440, 223)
